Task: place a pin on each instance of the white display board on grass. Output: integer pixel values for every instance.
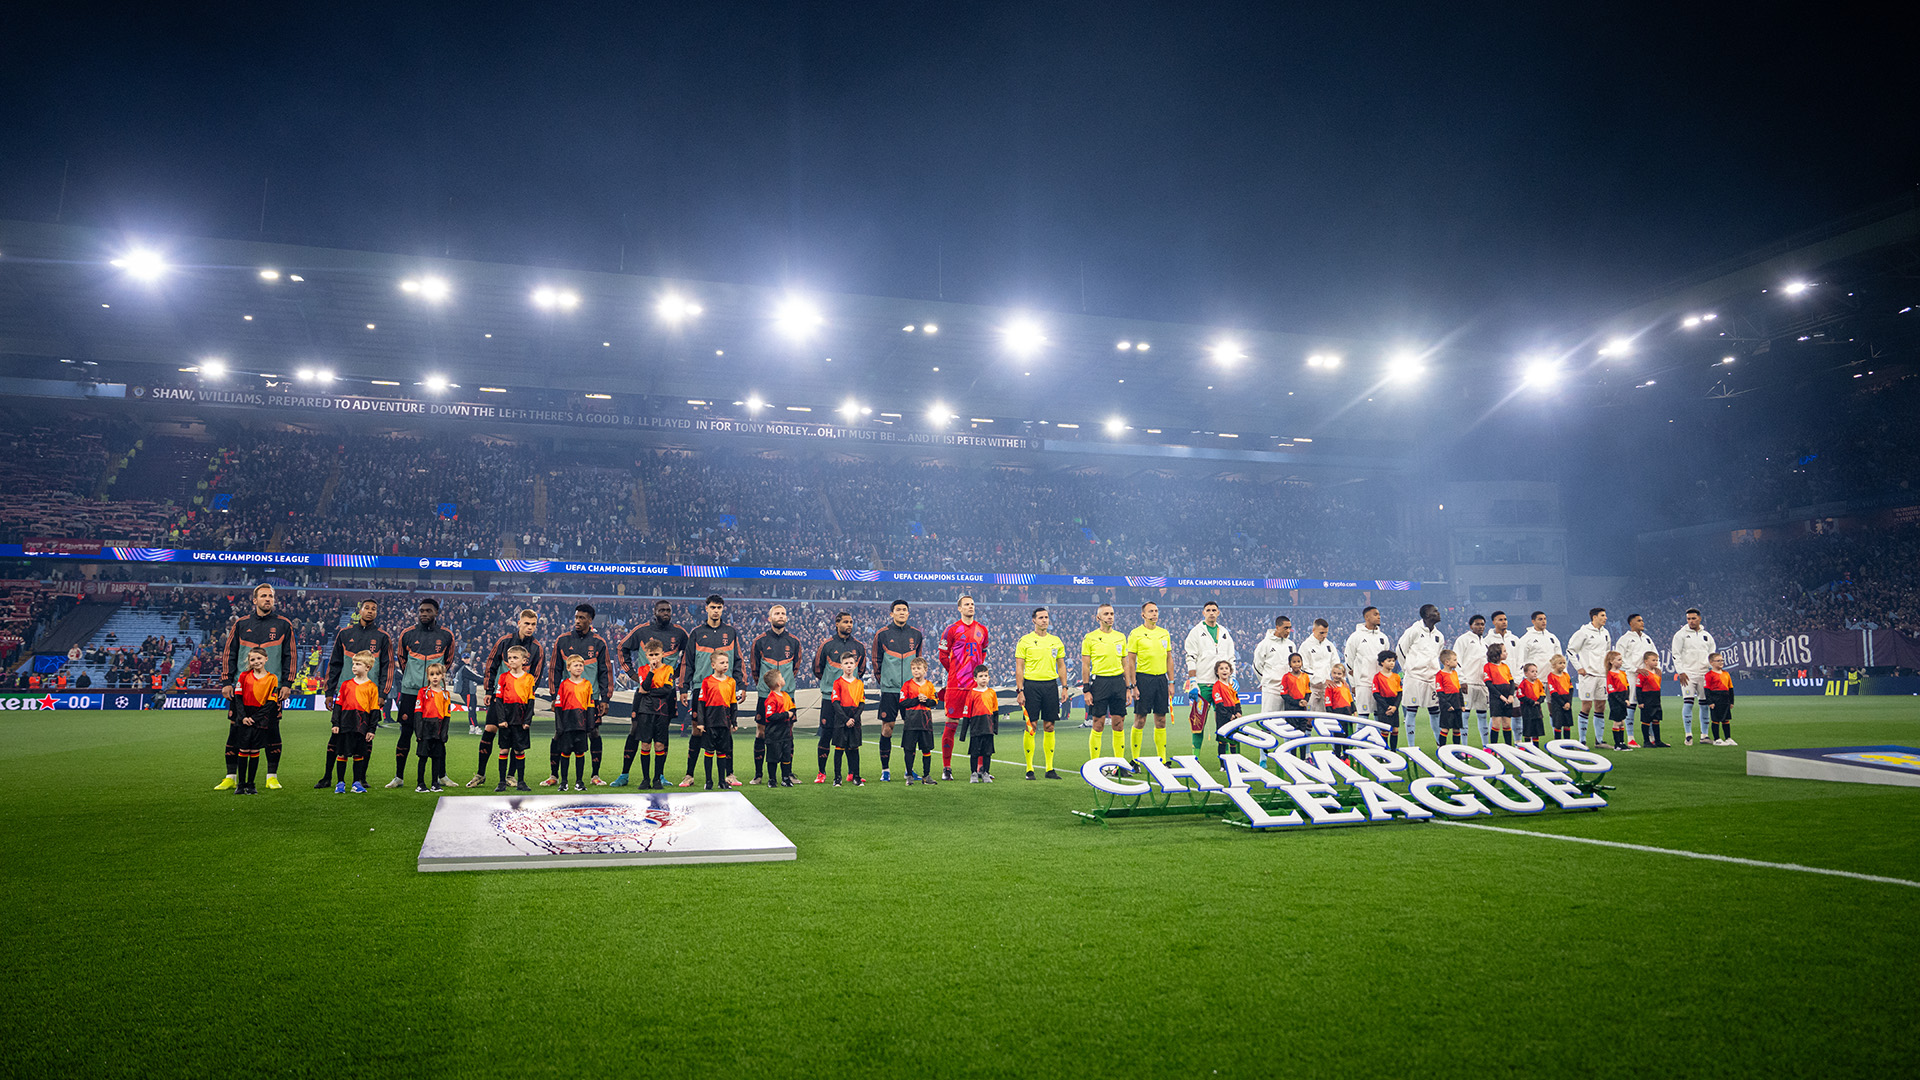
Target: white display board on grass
(507, 832)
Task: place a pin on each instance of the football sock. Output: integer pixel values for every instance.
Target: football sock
(1656, 731)
(595, 749)
(486, 750)
(520, 765)
(360, 768)
(853, 762)
(627, 752)
(1046, 746)
(420, 777)
(553, 756)
(1093, 744)
(1135, 738)
(886, 751)
(1026, 747)
(825, 748)
(926, 764)
(946, 744)
(709, 761)
(233, 761)
(504, 757)
(273, 759)
(1393, 738)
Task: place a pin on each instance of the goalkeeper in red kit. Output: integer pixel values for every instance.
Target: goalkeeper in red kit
(963, 648)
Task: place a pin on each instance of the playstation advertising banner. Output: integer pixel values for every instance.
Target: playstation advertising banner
(63, 549)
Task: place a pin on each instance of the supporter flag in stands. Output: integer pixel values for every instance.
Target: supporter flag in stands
(1088, 533)
(220, 502)
(449, 512)
(729, 521)
(916, 528)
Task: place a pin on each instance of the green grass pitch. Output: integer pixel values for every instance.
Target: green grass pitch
(157, 928)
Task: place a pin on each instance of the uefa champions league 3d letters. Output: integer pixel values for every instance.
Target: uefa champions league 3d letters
(1310, 771)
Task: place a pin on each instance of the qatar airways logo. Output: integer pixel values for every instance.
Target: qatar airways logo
(1316, 768)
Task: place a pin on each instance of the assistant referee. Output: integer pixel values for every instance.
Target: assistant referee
(1103, 682)
(1148, 646)
(1039, 680)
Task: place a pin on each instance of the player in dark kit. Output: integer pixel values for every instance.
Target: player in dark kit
(829, 656)
(364, 636)
(714, 637)
(673, 652)
(524, 636)
(591, 648)
(426, 642)
(895, 647)
(274, 635)
(774, 653)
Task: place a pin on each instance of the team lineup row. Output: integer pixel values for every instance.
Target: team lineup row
(1118, 671)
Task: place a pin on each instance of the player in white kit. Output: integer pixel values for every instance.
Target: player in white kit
(1587, 655)
(1363, 650)
(1692, 644)
(1419, 648)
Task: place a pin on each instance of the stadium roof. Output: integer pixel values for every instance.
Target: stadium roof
(274, 308)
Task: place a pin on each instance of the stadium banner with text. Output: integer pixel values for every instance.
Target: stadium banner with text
(664, 570)
(69, 700)
(616, 415)
(1824, 649)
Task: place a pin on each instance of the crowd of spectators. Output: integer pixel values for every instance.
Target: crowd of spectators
(56, 472)
(406, 495)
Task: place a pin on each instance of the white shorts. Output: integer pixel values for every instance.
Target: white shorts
(1593, 688)
(1417, 693)
(1696, 680)
(1475, 696)
(1363, 699)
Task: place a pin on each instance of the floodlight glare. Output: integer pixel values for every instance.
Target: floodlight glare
(212, 369)
(323, 374)
(755, 404)
(1617, 347)
(673, 308)
(1115, 425)
(436, 383)
(427, 288)
(1795, 288)
(1541, 373)
(1123, 346)
(1023, 337)
(1324, 360)
(1226, 352)
(1690, 321)
(938, 415)
(269, 275)
(305, 374)
(796, 318)
(850, 409)
(549, 299)
(929, 328)
(141, 264)
(1405, 364)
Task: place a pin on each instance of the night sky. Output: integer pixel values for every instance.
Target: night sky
(1362, 172)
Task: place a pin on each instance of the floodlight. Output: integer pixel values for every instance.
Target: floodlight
(1795, 288)
(754, 403)
(142, 264)
(674, 308)
(796, 318)
(212, 369)
(938, 415)
(1541, 373)
(269, 275)
(1115, 425)
(850, 409)
(1226, 352)
(1023, 336)
(436, 383)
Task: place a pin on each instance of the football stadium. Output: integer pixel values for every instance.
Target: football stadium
(447, 634)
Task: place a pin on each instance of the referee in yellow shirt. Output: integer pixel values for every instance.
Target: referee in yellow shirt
(1039, 682)
(1104, 683)
(1148, 646)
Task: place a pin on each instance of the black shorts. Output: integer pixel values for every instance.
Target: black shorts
(504, 714)
(921, 740)
(980, 745)
(252, 736)
(516, 737)
(779, 743)
(1109, 696)
(1043, 702)
(889, 708)
(718, 740)
(1497, 695)
(845, 737)
(1651, 710)
(652, 727)
(1154, 695)
(571, 742)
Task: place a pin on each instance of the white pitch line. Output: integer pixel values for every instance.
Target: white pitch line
(1690, 854)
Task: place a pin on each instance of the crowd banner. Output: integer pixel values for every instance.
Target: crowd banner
(58, 550)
